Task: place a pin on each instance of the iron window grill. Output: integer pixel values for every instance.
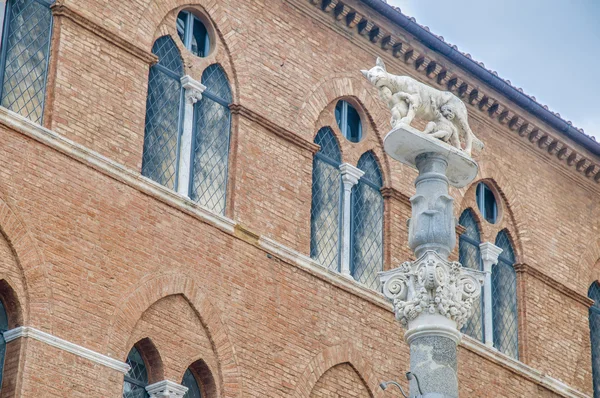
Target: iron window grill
(504, 299)
(469, 256)
(594, 318)
(163, 115)
(211, 136)
(24, 57)
(326, 201)
(367, 224)
(190, 382)
(136, 380)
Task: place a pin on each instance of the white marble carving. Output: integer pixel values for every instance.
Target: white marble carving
(432, 285)
(166, 389)
(408, 98)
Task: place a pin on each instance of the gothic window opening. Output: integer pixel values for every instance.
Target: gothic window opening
(486, 202)
(211, 135)
(189, 381)
(470, 257)
(24, 57)
(348, 120)
(3, 328)
(594, 318)
(163, 115)
(504, 299)
(367, 224)
(193, 34)
(326, 201)
(136, 380)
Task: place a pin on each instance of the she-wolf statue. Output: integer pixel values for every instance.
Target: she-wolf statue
(407, 98)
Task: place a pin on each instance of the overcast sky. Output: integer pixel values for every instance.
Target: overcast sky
(550, 48)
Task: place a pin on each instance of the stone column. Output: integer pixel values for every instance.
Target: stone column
(193, 93)
(432, 297)
(489, 256)
(350, 177)
(166, 389)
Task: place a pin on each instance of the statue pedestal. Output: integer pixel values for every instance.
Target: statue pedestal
(432, 297)
(406, 143)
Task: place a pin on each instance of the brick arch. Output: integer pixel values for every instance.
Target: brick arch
(491, 173)
(337, 86)
(149, 24)
(36, 305)
(155, 287)
(588, 270)
(330, 357)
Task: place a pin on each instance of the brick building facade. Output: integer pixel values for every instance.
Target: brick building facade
(166, 214)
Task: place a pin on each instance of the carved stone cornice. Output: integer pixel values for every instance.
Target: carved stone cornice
(553, 283)
(477, 97)
(61, 10)
(287, 135)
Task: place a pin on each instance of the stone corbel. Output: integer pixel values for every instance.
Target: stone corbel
(166, 389)
(489, 257)
(193, 89)
(350, 177)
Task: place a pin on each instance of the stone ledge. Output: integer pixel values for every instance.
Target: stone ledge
(520, 368)
(32, 333)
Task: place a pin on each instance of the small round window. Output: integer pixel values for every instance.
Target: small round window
(348, 121)
(486, 202)
(193, 34)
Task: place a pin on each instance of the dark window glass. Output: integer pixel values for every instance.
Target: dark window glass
(348, 121)
(469, 256)
(3, 328)
(326, 201)
(190, 382)
(486, 202)
(504, 299)
(367, 223)
(163, 115)
(193, 34)
(594, 294)
(25, 52)
(136, 379)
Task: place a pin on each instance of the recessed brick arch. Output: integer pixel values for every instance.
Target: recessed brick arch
(155, 287)
(149, 28)
(338, 86)
(36, 305)
(330, 357)
(491, 173)
(589, 266)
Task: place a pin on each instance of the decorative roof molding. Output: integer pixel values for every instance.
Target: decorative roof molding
(287, 135)
(482, 100)
(61, 10)
(61, 344)
(554, 284)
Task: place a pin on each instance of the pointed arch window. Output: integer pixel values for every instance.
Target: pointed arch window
(163, 115)
(469, 256)
(211, 135)
(24, 57)
(504, 299)
(189, 381)
(136, 380)
(594, 317)
(3, 328)
(367, 223)
(326, 201)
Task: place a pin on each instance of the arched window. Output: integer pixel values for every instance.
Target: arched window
(136, 380)
(486, 202)
(24, 59)
(193, 34)
(504, 299)
(594, 294)
(3, 328)
(212, 127)
(326, 201)
(367, 223)
(470, 257)
(189, 380)
(163, 115)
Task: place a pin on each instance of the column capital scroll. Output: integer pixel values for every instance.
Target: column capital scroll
(350, 174)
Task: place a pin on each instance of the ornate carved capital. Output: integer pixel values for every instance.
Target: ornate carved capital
(432, 285)
(350, 174)
(193, 89)
(166, 389)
